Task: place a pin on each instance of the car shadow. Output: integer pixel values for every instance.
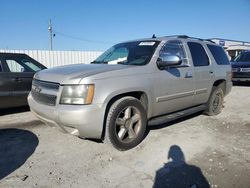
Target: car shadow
(16, 147)
(177, 173)
(15, 110)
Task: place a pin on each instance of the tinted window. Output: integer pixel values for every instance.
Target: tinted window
(243, 57)
(219, 54)
(198, 53)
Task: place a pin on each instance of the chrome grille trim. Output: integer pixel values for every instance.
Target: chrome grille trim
(46, 85)
(45, 92)
(44, 98)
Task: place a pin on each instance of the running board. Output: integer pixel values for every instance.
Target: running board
(170, 117)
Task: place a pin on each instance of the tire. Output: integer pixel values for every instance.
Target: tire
(215, 102)
(126, 123)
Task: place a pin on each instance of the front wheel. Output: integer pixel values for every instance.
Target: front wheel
(215, 102)
(126, 123)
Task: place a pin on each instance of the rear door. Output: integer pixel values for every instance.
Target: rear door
(203, 72)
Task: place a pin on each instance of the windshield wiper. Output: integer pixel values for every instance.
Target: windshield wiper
(94, 62)
(122, 62)
(98, 62)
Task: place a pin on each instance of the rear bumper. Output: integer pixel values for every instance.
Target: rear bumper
(80, 120)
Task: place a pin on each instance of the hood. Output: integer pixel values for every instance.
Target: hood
(72, 74)
(240, 64)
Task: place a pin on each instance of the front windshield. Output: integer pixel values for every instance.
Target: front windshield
(130, 53)
(243, 57)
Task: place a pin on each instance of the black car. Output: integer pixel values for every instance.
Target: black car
(241, 67)
(16, 73)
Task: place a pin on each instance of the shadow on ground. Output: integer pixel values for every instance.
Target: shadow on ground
(178, 174)
(16, 146)
(8, 111)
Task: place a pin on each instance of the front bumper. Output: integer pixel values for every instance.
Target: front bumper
(241, 79)
(241, 76)
(81, 120)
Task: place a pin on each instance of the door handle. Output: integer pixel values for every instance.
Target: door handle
(211, 72)
(17, 79)
(189, 75)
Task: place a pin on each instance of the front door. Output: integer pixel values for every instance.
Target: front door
(7, 88)
(17, 78)
(175, 90)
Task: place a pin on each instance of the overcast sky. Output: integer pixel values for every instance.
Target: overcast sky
(96, 25)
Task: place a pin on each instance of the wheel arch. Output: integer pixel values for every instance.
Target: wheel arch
(220, 83)
(138, 94)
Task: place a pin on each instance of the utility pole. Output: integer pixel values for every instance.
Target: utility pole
(50, 34)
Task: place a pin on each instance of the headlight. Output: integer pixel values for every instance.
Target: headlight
(77, 94)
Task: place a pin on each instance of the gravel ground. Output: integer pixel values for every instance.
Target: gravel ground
(198, 151)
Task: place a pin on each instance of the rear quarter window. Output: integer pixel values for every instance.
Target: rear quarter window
(219, 54)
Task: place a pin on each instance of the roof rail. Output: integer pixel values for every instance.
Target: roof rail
(209, 40)
(188, 37)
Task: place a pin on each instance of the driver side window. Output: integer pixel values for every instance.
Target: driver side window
(174, 47)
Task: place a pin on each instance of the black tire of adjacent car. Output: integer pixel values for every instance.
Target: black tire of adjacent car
(111, 134)
(215, 102)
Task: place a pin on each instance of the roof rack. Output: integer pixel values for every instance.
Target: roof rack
(188, 37)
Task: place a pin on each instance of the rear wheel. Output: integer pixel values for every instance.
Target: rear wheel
(126, 123)
(215, 102)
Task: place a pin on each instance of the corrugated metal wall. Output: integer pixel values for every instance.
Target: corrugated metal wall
(57, 58)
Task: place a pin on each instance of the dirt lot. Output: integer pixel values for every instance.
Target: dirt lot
(198, 150)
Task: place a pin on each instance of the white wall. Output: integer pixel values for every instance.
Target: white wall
(57, 58)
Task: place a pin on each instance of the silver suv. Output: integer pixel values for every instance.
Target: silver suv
(131, 86)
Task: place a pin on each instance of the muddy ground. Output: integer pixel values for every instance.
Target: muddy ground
(197, 151)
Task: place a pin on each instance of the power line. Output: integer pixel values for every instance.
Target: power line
(81, 39)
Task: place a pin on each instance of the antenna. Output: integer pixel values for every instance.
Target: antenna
(50, 35)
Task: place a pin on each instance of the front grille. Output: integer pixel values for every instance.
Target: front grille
(241, 74)
(41, 92)
(44, 98)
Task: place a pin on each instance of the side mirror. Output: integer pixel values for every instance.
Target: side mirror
(168, 60)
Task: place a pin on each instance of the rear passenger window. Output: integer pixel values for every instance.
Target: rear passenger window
(218, 54)
(198, 53)
(14, 66)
